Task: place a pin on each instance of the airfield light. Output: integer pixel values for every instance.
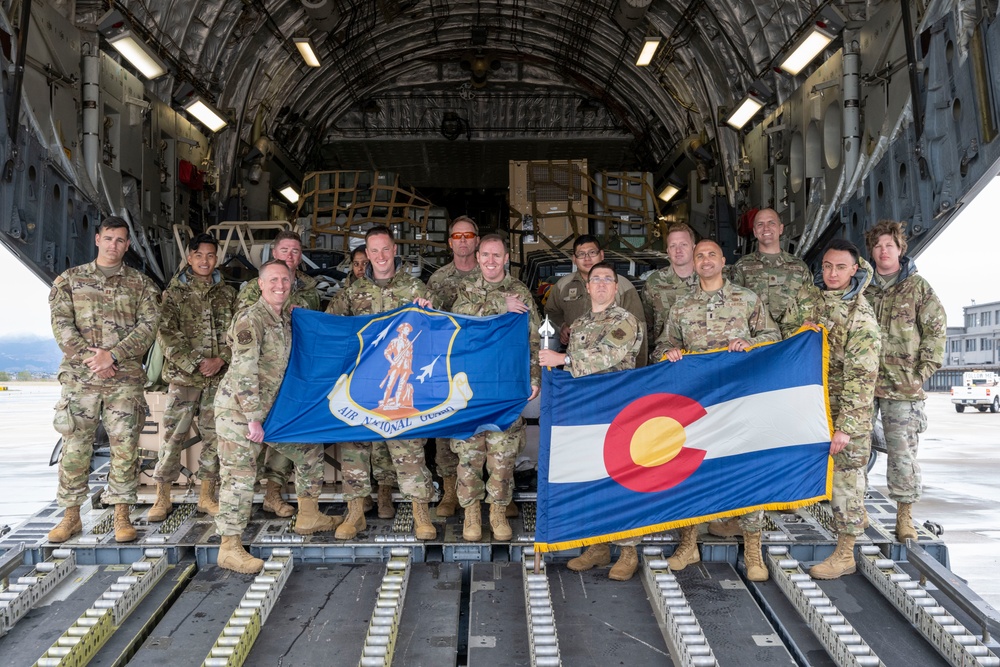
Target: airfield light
(811, 46)
(137, 52)
(306, 49)
(205, 113)
(289, 193)
(649, 46)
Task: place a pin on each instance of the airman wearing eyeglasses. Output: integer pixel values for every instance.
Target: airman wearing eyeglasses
(570, 297)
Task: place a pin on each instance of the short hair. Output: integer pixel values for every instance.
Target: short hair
(491, 237)
(463, 218)
(378, 230)
(893, 228)
(604, 265)
(273, 262)
(285, 234)
(114, 222)
(681, 227)
(195, 242)
(361, 248)
(842, 245)
(585, 238)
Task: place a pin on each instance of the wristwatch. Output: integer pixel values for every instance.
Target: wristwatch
(113, 357)
(567, 361)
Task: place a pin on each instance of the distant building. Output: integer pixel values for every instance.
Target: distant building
(976, 343)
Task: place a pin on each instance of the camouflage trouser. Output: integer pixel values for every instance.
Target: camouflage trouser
(182, 404)
(80, 408)
(276, 467)
(445, 459)
(382, 468)
(902, 421)
(752, 522)
(498, 451)
(407, 458)
(238, 468)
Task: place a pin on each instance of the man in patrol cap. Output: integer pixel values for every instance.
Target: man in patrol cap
(463, 239)
(493, 292)
(385, 286)
(287, 247)
(197, 311)
(717, 314)
(104, 318)
(606, 339)
(260, 338)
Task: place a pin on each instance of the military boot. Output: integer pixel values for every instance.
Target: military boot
(686, 552)
(386, 508)
(625, 566)
(310, 520)
(206, 498)
(422, 526)
(232, 556)
(865, 523)
(68, 527)
(596, 555)
(726, 528)
(511, 512)
(839, 563)
(162, 506)
(354, 520)
(753, 558)
(472, 529)
(273, 502)
(904, 522)
(124, 532)
(498, 522)
(449, 497)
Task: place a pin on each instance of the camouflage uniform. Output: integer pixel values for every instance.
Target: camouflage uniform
(193, 324)
(659, 293)
(853, 343)
(700, 321)
(260, 341)
(569, 300)
(601, 343)
(776, 279)
(304, 294)
(366, 297)
(913, 326)
(444, 286)
(118, 314)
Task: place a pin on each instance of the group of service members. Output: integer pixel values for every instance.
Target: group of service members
(225, 355)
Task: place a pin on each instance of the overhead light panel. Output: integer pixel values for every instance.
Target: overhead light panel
(289, 193)
(649, 46)
(668, 193)
(137, 52)
(745, 110)
(305, 47)
(205, 113)
(808, 48)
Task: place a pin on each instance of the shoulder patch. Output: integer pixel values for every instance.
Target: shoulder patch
(244, 337)
(618, 334)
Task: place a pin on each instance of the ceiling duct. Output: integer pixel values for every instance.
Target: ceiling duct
(629, 13)
(324, 15)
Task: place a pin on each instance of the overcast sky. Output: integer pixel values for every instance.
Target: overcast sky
(961, 265)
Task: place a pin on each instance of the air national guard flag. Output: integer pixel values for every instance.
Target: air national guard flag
(713, 435)
(406, 373)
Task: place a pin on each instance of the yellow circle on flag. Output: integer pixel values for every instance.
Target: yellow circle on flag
(657, 441)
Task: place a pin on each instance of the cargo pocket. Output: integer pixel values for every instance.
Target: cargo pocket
(921, 416)
(63, 419)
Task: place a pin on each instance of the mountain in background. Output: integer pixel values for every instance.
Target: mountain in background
(29, 353)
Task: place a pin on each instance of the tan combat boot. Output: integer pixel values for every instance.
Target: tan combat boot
(161, 508)
(422, 526)
(124, 532)
(511, 512)
(68, 527)
(354, 520)
(498, 523)
(449, 497)
(206, 498)
(472, 530)
(596, 555)
(686, 552)
(386, 508)
(232, 556)
(273, 502)
(625, 566)
(839, 563)
(726, 528)
(865, 523)
(904, 522)
(310, 520)
(753, 558)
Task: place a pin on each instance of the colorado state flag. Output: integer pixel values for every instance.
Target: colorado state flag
(713, 435)
(406, 373)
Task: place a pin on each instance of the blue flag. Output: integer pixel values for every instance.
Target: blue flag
(406, 373)
(713, 435)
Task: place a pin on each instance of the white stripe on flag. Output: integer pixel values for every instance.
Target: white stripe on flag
(752, 423)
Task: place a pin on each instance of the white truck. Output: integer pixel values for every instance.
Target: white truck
(979, 389)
